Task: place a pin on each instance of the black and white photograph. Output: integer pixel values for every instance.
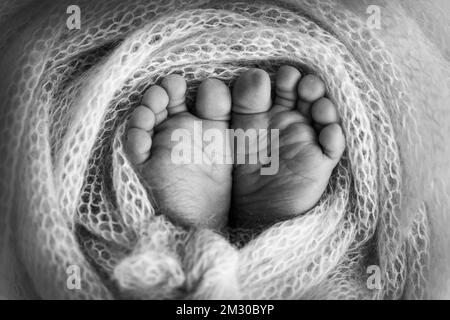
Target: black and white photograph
(213, 150)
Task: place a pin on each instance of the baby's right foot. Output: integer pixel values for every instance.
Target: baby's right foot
(311, 143)
(192, 194)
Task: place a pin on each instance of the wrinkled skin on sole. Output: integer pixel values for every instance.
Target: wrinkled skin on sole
(70, 198)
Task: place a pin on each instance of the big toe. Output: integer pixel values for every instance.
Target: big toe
(213, 100)
(252, 92)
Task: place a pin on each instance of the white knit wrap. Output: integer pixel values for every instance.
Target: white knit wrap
(70, 197)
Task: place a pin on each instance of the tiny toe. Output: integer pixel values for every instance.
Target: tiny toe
(142, 118)
(332, 141)
(213, 100)
(311, 88)
(175, 86)
(156, 99)
(324, 112)
(286, 83)
(138, 144)
(251, 92)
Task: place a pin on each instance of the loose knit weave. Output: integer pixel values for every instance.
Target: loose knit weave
(70, 196)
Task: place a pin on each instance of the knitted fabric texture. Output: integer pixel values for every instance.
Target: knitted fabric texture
(71, 198)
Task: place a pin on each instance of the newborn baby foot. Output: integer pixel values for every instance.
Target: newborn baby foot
(192, 194)
(311, 142)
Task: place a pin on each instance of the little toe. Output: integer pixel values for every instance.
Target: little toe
(175, 86)
(286, 83)
(252, 92)
(311, 88)
(324, 112)
(332, 140)
(138, 143)
(156, 99)
(213, 100)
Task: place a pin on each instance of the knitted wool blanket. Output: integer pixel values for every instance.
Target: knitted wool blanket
(75, 216)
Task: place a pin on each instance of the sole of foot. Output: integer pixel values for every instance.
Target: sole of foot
(190, 194)
(310, 144)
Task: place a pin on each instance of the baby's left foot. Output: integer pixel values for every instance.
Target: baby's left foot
(311, 143)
